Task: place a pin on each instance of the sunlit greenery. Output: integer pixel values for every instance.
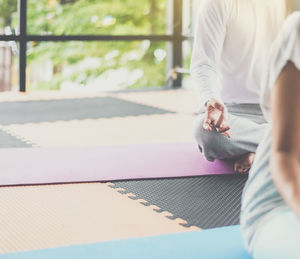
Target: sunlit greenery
(96, 17)
(79, 17)
(8, 14)
(111, 56)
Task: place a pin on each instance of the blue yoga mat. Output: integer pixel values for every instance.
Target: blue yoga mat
(217, 243)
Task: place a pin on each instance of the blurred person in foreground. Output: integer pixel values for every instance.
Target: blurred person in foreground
(226, 66)
(270, 217)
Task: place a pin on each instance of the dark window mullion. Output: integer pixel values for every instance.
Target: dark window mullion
(9, 38)
(23, 44)
(178, 39)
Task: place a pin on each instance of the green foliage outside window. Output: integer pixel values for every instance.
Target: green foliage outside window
(98, 17)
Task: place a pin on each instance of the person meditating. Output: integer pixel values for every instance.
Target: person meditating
(226, 66)
(270, 217)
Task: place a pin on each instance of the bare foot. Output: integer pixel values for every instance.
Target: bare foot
(244, 163)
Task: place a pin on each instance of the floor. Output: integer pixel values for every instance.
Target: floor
(51, 119)
(50, 216)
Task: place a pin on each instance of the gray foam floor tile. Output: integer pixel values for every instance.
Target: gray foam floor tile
(8, 141)
(205, 201)
(72, 109)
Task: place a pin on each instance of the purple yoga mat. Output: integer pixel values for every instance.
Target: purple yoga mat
(62, 165)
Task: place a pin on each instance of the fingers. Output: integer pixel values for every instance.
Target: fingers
(219, 106)
(207, 125)
(223, 129)
(220, 120)
(226, 134)
(215, 104)
(221, 125)
(222, 117)
(216, 117)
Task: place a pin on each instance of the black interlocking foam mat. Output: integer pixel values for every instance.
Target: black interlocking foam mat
(9, 141)
(206, 201)
(72, 109)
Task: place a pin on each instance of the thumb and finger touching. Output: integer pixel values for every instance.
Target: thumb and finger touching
(219, 122)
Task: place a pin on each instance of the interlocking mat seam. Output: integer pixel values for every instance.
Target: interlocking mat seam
(155, 208)
(20, 138)
(41, 217)
(203, 201)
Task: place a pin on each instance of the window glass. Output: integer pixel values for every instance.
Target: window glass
(8, 17)
(104, 17)
(95, 65)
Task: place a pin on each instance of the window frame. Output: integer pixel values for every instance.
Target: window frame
(175, 38)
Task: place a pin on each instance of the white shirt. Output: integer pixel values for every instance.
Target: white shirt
(286, 48)
(224, 64)
(261, 199)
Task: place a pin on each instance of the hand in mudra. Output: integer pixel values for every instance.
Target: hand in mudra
(216, 116)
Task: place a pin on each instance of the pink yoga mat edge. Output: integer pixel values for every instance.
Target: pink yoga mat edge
(23, 166)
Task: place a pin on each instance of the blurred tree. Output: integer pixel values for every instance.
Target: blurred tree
(108, 17)
(7, 9)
